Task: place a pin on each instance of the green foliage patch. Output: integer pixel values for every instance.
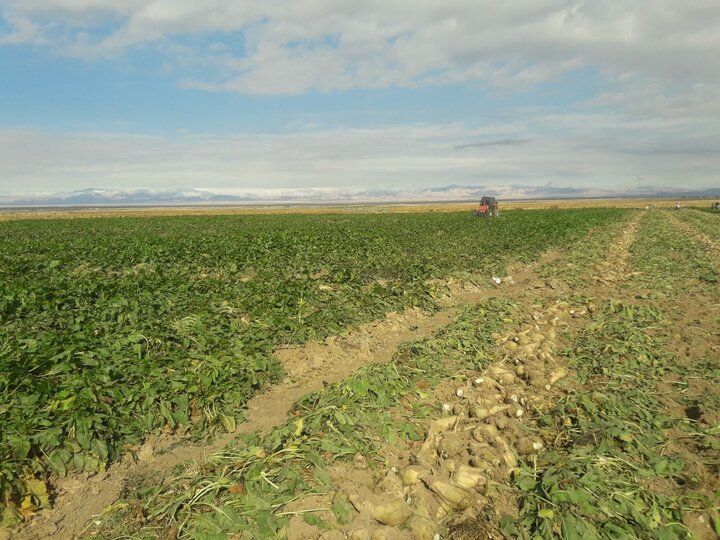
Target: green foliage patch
(669, 262)
(114, 328)
(572, 268)
(705, 222)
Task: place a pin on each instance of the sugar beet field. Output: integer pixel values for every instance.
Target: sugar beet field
(544, 374)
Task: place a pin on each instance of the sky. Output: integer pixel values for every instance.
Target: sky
(345, 96)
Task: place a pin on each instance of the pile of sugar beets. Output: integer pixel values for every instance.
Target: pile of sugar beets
(449, 478)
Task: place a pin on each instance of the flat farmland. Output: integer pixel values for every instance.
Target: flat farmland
(548, 373)
(10, 214)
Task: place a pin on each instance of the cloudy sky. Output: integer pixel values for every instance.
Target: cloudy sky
(394, 94)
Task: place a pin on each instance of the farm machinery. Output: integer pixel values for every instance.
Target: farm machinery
(488, 207)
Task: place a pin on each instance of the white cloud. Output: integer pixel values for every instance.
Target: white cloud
(594, 150)
(22, 30)
(327, 45)
(452, 193)
(657, 118)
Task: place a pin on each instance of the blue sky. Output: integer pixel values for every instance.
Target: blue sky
(239, 97)
(65, 93)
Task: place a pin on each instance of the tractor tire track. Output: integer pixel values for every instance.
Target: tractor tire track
(616, 268)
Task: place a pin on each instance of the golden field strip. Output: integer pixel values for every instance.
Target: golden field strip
(401, 208)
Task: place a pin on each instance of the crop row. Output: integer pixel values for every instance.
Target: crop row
(619, 462)
(114, 328)
(244, 488)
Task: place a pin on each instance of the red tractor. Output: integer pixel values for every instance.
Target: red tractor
(488, 208)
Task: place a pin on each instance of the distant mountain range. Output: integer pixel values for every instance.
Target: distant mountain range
(208, 197)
